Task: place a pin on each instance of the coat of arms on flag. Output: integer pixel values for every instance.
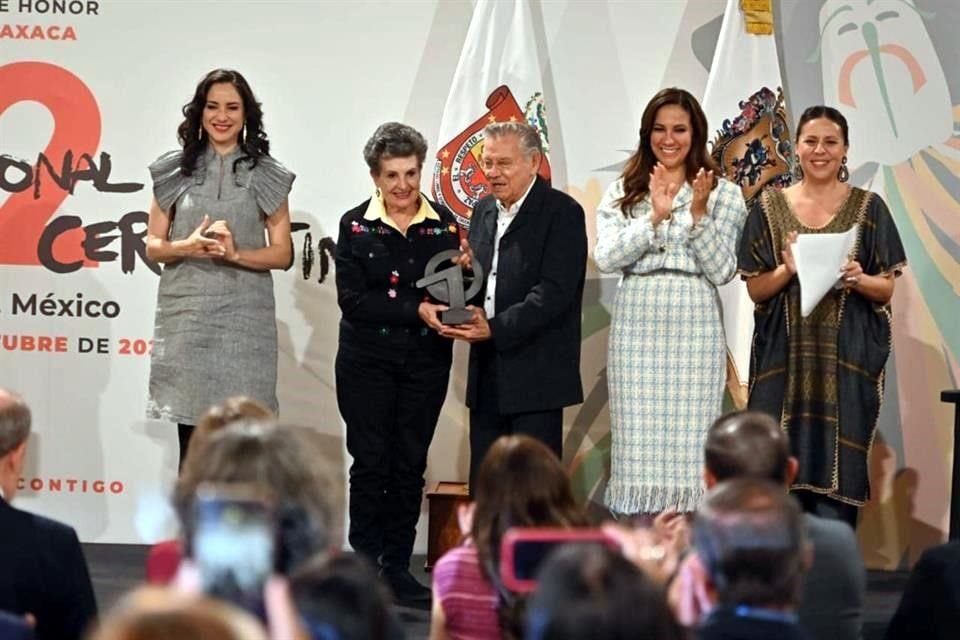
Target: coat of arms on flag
(458, 178)
(754, 148)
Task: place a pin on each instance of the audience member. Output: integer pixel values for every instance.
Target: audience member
(521, 483)
(234, 409)
(164, 557)
(44, 574)
(592, 591)
(15, 627)
(279, 461)
(930, 605)
(750, 444)
(154, 613)
(750, 539)
(342, 598)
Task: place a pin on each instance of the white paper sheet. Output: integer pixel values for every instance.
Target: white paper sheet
(819, 258)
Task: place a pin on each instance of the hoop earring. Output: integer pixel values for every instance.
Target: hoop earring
(844, 174)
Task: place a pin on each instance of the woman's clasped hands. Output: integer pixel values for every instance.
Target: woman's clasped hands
(211, 240)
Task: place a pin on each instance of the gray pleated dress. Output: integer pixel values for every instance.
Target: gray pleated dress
(215, 334)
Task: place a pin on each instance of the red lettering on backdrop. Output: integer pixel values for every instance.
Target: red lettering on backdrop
(76, 118)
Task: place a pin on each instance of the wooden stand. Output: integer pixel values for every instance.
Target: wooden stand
(443, 532)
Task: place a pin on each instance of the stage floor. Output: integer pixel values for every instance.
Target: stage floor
(117, 568)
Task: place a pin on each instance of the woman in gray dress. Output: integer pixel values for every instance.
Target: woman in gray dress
(219, 222)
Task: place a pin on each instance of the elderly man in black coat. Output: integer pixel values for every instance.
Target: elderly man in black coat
(531, 241)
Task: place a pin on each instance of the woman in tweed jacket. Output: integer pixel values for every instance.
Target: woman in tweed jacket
(671, 228)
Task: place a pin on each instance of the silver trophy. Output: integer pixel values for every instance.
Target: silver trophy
(447, 285)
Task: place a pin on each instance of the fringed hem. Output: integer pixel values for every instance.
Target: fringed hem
(651, 499)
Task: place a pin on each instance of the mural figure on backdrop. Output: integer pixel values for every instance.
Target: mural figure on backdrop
(215, 334)
(891, 67)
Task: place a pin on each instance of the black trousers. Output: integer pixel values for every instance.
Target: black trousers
(487, 422)
(391, 411)
(184, 433)
(824, 507)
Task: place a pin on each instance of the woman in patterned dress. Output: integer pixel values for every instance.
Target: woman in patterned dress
(672, 229)
(219, 222)
(822, 376)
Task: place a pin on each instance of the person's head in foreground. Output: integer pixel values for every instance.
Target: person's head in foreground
(748, 444)
(14, 434)
(279, 462)
(750, 537)
(592, 591)
(521, 483)
(342, 598)
(155, 613)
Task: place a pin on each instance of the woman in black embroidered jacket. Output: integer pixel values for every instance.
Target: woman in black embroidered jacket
(392, 367)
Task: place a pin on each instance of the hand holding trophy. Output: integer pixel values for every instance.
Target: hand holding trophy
(447, 284)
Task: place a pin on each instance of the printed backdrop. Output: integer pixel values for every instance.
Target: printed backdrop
(90, 93)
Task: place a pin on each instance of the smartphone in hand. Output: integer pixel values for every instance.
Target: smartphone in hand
(234, 543)
(523, 550)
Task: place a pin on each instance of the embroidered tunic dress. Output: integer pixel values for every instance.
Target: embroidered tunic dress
(666, 360)
(215, 333)
(822, 376)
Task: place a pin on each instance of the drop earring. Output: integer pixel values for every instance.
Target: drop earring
(797, 169)
(844, 174)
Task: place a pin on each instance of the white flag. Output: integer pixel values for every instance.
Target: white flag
(497, 79)
(743, 105)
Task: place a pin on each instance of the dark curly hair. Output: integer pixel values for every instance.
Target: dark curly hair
(253, 142)
(636, 174)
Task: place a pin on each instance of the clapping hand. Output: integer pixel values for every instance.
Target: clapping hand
(662, 193)
(703, 184)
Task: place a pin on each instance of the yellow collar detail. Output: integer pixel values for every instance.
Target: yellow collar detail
(377, 211)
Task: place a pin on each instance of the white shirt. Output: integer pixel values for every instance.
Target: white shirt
(505, 216)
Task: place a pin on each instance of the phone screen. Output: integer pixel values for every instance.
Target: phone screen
(234, 547)
(528, 556)
(524, 550)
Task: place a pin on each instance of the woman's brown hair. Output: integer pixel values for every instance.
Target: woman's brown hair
(521, 483)
(636, 173)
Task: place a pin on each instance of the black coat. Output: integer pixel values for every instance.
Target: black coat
(536, 328)
(930, 605)
(45, 574)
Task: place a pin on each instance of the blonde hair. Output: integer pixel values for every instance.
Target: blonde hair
(158, 613)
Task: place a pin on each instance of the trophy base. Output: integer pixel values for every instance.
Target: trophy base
(456, 316)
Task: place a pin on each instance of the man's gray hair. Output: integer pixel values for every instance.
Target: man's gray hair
(528, 135)
(14, 421)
